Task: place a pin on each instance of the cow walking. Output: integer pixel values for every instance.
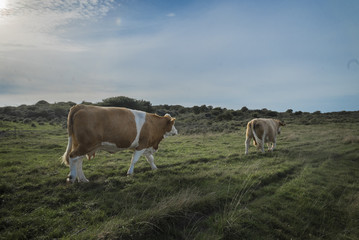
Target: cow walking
(263, 130)
(93, 128)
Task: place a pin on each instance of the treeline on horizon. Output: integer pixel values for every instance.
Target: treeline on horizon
(189, 120)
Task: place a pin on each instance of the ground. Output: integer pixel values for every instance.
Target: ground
(205, 187)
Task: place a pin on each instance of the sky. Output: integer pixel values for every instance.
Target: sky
(301, 55)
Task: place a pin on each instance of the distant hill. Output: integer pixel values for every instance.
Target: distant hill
(190, 120)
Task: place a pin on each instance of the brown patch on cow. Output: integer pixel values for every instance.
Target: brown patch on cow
(91, 125)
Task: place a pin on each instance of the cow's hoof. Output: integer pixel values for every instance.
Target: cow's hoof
(85, 180)
(70, 179)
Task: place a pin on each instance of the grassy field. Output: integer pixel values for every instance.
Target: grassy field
(205, 187)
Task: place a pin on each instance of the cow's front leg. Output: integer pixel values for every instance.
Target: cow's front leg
(151, 161)
(136, 155)
(80, 174)
(73, 169)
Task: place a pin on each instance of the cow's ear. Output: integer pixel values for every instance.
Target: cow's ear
(282, 123)
(171, 121)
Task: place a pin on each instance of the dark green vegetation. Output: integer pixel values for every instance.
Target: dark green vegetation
(205, 187)
(190, 120)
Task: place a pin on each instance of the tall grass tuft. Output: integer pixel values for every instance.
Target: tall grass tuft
(351, 139)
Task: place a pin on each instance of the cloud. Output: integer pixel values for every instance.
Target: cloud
(42, 24)
(225, 56)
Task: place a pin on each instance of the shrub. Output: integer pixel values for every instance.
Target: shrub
(27, 120)
(127, 102)
(60, 112)
(244, 109)
(42, 102)
(272, 114)
(196, 110)
(225, 116)
(217, 111)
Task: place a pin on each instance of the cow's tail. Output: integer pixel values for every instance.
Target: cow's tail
(70, 120)
(256, 138)
(65, 158)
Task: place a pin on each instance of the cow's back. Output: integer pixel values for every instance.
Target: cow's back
(93, 125)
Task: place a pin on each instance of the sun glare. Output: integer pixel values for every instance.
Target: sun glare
(3, 4)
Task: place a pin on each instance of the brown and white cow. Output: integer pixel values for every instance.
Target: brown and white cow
(263, 130)
(112, 129)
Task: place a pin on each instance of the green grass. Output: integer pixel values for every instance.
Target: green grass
(205, 188)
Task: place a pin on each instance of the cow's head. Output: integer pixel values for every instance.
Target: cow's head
(170, 130)
(280, 124)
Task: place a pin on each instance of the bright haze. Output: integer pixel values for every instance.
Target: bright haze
(279, 55)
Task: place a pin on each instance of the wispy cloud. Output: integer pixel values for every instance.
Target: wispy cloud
(42, 24)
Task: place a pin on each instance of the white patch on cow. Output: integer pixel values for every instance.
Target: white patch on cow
(74, 169)
(136, 155)
(140, 118)
(80, 174)
(149, 151)
(172, 132)
(151, 161)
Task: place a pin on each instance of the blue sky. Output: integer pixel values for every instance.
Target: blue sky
(279, 55)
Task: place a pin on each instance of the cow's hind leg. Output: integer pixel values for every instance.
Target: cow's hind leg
(262, 143)
(274, 144)
(136, 155)
(73, 168)
(80, 174)
(151, 161)
(247, 143)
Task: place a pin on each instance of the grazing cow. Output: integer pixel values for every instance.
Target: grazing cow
(263, 130)
(112, 129)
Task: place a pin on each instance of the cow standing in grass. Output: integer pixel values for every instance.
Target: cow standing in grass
(263, 130)
(112, 129)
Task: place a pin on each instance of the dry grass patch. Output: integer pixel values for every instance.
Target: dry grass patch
(351, 139)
